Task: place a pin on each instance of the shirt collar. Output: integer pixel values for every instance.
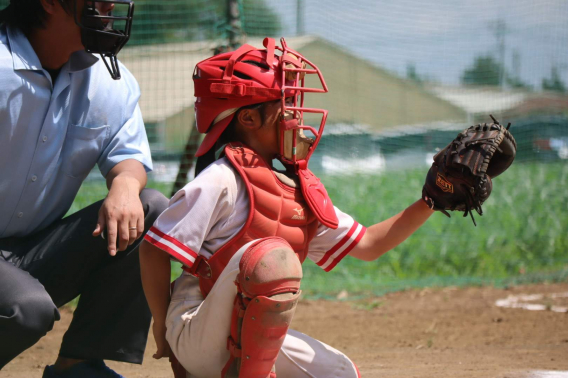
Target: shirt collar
(81, 60)
(23, 54)
(25, 58)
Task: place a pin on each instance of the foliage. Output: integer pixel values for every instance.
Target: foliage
(260, 20)
(485, 71)
(513, 80)
(521, 233)
(172, 21)
(412, 75)
(158, 21)
(189, 20)
(516, 82)
(554, 83)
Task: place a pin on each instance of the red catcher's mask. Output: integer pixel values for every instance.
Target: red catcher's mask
(247, 76)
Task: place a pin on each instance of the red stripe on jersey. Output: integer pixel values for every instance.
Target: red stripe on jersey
(338, 245)
(356, 369)
(169, 250)
(173, 240)
(347, 250)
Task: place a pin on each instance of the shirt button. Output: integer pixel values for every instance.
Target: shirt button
(34, 177)
(20, 214)
(44, 138)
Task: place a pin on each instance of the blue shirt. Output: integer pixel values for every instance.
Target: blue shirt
(51, 136)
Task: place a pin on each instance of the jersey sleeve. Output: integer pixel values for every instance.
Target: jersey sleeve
(192, 212)
(330, 246)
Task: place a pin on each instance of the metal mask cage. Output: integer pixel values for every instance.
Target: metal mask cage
(298, 67)
(98, 33)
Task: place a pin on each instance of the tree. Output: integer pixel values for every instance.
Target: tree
(516, 82)
(260, 20)
(554, 83)
(159, 21)
(412, 75)
(513, 79)
(485, 71)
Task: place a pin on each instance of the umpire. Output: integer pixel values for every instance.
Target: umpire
(60, 114)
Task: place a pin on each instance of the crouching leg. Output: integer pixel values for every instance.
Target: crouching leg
(268, 287)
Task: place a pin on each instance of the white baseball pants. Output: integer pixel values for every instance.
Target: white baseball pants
(197, 331)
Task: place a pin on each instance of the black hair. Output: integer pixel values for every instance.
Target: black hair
(230, 133)
(27, 14)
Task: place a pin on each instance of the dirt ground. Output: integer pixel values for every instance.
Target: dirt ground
(427, 333)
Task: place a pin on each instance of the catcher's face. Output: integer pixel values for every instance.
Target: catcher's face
(303, 142)
(278, 136)
(268, 130)
(261, 128)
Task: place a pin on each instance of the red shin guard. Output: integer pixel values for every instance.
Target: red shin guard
(268, 291)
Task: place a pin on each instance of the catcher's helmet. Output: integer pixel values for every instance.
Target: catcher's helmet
(98, 33)
(247, 76)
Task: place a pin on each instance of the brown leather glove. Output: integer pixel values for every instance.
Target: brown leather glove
(461, 176)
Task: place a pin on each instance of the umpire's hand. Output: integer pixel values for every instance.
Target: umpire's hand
(121, 213)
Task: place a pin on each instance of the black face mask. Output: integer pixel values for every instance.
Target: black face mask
(98, 34)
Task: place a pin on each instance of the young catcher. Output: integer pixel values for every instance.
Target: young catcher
(242, 229)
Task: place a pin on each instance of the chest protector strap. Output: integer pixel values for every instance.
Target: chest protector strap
(317, 198)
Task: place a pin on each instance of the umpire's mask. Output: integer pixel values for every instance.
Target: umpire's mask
(105, 28)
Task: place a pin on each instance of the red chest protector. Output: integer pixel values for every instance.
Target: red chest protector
(276, 209)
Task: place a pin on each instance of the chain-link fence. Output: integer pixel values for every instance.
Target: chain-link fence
(403, 78)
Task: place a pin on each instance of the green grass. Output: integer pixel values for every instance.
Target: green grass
(521, 238)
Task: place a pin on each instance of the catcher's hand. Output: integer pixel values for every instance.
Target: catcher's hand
(461, 176)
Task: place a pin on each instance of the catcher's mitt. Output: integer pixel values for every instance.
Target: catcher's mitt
(461, 176)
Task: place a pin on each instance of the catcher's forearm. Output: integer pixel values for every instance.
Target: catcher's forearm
(384, 236)
(155, 270)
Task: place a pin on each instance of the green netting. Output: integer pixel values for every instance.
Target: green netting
(405, 77)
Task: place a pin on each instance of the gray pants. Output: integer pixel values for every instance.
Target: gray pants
(44, 271)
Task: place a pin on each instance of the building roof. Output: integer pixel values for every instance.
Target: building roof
(548, 103)
(480, 100)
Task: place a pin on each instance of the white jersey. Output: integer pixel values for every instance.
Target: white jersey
(210, 210)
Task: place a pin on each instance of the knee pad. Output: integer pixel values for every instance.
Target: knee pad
(268, 291)
(269, 267)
